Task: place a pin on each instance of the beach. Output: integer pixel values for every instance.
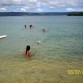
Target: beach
(57, 59)
(39, 71)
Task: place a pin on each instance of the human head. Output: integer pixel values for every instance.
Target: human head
(27, 48)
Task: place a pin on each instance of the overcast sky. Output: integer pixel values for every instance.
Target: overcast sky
(41, 5)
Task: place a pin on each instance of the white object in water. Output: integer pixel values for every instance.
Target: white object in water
(3, 36)
(38, 42)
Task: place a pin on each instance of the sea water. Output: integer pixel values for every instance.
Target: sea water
(60, 50)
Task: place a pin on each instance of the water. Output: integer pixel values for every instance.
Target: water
(61, 49)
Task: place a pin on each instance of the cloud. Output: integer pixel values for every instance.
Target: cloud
(39, 10)
(3, 9)
(23, 9)
(74, 9)
(53, 3)
(13, 1)
(33, 1)
(10, 3)
(41, 3)
(81, 9)
(56, 4)
(70, 9)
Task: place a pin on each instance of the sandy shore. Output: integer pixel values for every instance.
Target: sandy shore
(38, 71)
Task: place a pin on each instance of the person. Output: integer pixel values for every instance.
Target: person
(30, 26)
(27, 52)
(25, 26)
(44, 30)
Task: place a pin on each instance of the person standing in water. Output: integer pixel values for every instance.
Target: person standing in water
(27, 52)
(25, 26)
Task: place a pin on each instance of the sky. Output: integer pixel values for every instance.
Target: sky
(41, 5)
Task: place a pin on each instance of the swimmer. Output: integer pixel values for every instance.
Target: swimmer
(44, 30)
(27, 52)
(30, 26)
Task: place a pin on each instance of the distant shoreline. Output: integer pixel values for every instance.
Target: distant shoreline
(41, 14)
(77, 14)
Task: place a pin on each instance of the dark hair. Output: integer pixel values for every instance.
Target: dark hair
(27, 48)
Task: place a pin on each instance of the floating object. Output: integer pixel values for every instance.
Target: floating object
(38, 42)
(3, 36)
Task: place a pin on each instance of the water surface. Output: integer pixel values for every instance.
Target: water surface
(61, 49)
